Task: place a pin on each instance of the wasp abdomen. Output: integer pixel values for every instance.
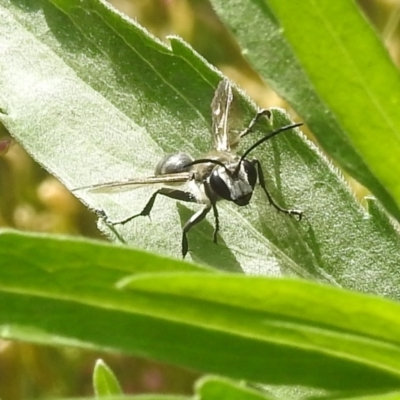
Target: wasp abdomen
(174, 163)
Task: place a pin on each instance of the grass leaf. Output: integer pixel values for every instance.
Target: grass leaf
(273, 331)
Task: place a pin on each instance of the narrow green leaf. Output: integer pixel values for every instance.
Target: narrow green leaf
(95, 99)
(105, 383)
(270, 331)
(136, 397)
(38, 255)
(155, 397)
(212, 388)
(374, 396)
(325, 59)
(327, 320)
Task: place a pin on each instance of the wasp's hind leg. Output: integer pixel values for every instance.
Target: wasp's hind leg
(174, 194)
(261, 180)
(145, 212)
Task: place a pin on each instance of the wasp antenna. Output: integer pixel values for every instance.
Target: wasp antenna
(267, 137)
(264, 139)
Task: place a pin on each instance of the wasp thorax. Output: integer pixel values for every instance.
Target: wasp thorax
(235, 183)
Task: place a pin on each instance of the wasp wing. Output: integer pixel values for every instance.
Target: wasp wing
(224, 136)
(171, 180)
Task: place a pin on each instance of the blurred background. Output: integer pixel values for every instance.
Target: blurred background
(33, 200)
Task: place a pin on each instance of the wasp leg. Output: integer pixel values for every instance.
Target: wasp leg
(193, 220)
(216, 217)
(145, 212)
(261, 180)
(174, 194)
(259, 114)
(212, 199)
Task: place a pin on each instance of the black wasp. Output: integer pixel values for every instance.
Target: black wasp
(219, 175)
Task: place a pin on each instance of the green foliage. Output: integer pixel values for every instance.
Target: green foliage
(332, 68)
(211, 388)
(261, 329)
(64, 110)
(105, 383)
(94, 98)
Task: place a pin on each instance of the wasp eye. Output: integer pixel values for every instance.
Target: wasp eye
(250, 172)
(219, 185)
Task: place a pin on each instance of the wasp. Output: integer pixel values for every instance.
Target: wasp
(221, 174)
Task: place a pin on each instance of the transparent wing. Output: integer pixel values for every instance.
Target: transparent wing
(223, 117)
(172, 180)
(223, 137)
